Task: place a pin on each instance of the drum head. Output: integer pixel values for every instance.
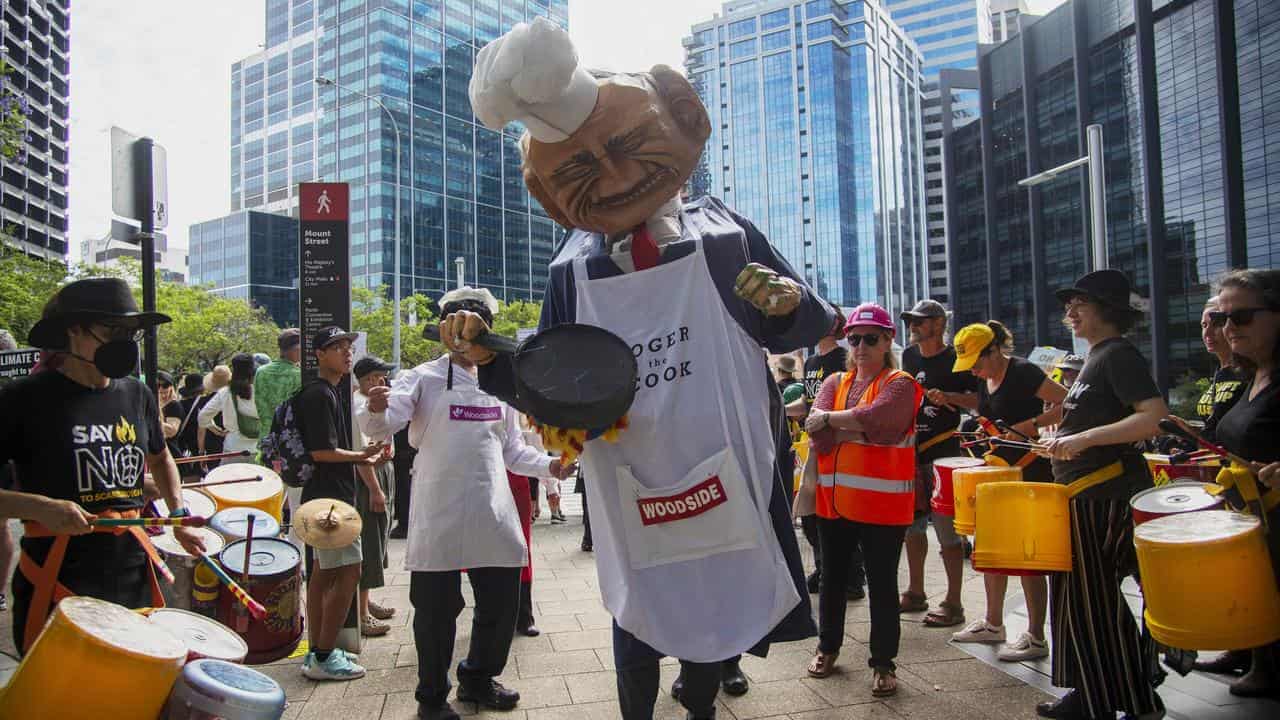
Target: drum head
(203, 637)
(1196, 528)
(268, 486)
(233, 523)
(233, 686)
(270, 556)
(958, 462)
(118, 627)
(198, 503)
(1175, 498)
(166, 543)
(577, 376)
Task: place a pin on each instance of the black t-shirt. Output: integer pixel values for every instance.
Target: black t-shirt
(86, 445)
(1013, 402)
(175, 410)
(1114, 379)
(936, 372)
(1251, 428)
(1220, 397)
(326, 425)
(818, 368)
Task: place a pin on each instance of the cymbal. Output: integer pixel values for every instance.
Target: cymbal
(327, 524)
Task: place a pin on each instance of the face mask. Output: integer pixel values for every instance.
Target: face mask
(116, 358)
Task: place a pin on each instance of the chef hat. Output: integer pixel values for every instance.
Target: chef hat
(466, 292)
(531, 74)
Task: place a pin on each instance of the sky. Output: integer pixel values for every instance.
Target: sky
(162, 68)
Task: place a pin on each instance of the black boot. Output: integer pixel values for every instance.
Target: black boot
(490, 694)
(399, 532)
(732, 681)
(1231, 662)
(443, 711)
(813, 581)
(1068, 707)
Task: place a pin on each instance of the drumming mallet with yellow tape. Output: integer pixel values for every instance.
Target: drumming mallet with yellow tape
(190, 521)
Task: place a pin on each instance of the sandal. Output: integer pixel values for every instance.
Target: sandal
(947, 615)
(912, 602)
(883, 683)
(822, 664)
(380, 612)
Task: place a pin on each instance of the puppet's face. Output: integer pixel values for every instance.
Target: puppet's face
(633, 153)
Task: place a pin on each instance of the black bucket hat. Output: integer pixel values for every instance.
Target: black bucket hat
(1108, 287)
(93, 300)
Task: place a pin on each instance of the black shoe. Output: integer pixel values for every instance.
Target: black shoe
(813, 581)
(690, 716)
(529, 630)
(677, 688)
(856, 592)
(438, 712)
(1156, 714)
(732, 681)
(399, 532)
(490, 694)
(1231, 662)
(586, 546)
(1065, 708)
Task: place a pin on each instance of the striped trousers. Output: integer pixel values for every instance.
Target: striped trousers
(1097, 647)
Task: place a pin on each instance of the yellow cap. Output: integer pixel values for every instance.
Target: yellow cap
(970, 342)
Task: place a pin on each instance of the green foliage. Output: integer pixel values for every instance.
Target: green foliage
(1184, 395)
(26, 284)
(13, 119)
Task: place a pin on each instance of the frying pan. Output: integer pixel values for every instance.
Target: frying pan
(569, 376)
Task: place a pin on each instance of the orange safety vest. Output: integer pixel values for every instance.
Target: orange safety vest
(874, 484)
(48, 592)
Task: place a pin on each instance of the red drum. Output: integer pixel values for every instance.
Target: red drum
(275, 580)
(1163, 471)
(1173, 499)
(203, 637)
(943, 500)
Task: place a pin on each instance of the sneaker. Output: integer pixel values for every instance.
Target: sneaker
(1026, 647)
(380, 612)
(979, 631)
(558, 517)
(373, 627)
(337, 667)
(308, 661)
(4, 603)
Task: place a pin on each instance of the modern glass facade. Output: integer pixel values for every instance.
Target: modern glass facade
(36, 46)
(947, 33)
(1178, 92)
(461, 190)
(249, 255)
(817, 138)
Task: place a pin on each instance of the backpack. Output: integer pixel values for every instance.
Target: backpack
(250, 426)
(282, 447)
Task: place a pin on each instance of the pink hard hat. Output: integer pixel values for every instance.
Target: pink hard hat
(870, 314)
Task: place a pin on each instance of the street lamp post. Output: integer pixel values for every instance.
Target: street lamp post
(460, 265)
(1097, 191)
(395, 282)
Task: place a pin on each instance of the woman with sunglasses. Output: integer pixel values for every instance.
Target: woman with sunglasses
(1097, 649)
(1249, 315)
(862, 428)
(1015, 393)
(1224, 389)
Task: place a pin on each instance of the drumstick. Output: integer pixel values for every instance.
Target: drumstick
(203, 458)
(248, 545)
(211, 483)
(191, 521)
(1181, 429)
(254, 607)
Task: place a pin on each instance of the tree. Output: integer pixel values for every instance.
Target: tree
(26, 284)
(208, 329)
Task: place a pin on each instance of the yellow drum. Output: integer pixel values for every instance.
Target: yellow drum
(1164, 471)
(965, 482)
(94, 660)
(1023, 528)
(1207, 581)
(266, 493)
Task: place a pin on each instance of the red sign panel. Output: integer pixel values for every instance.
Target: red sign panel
(323, 201)
(692, 502)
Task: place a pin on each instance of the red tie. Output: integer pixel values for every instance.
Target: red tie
(644, 251)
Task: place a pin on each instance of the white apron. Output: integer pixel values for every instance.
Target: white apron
(461, 511)
(686, 553)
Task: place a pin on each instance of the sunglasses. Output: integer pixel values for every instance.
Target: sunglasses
(1238, 317)
(870, 339)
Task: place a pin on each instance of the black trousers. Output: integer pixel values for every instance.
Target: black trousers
(857, 574)
(437, 601)
(524, 616)
(403, 464)
(881, 548)
(586, 521)
(638, 680)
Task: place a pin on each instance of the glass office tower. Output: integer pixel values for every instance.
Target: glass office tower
(460, 184)
(816, 137)
(252, 256)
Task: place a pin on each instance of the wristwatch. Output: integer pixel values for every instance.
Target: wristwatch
(180, 513)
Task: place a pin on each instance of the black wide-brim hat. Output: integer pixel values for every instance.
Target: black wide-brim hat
(1108, 287)
(93, 299)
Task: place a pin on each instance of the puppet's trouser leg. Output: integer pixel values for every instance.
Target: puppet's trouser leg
(638, 680)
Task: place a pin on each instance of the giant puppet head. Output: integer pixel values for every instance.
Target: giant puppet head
(602, 151)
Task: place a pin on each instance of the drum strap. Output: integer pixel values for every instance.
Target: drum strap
(44, 578)
(935, 440)
(1097, 477)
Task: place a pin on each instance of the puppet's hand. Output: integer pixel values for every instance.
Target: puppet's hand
(458, 329)
(768, 292)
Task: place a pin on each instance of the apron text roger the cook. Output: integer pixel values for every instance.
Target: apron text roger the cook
(654, 369)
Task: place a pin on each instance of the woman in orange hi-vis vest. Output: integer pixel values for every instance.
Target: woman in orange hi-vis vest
(862, 428)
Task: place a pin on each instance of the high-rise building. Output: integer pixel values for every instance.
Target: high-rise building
(460, 185)
(37, 50)
(252, 256)
(1183, 90)
(948, 33)
(816, 137)
(1004, 18)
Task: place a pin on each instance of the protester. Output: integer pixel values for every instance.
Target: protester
(240, 423)
(1248, 312)
(279, 379)
(463, 517)
(862, 427)
(208, 440)
(786, 372)
(1097, 649)
(333, 574)
(1013, 393)
(81, 442)
(520, 492)
(373, 502)
(171, 412)
(1227, 382)
(1068, 368)
(930, 360)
